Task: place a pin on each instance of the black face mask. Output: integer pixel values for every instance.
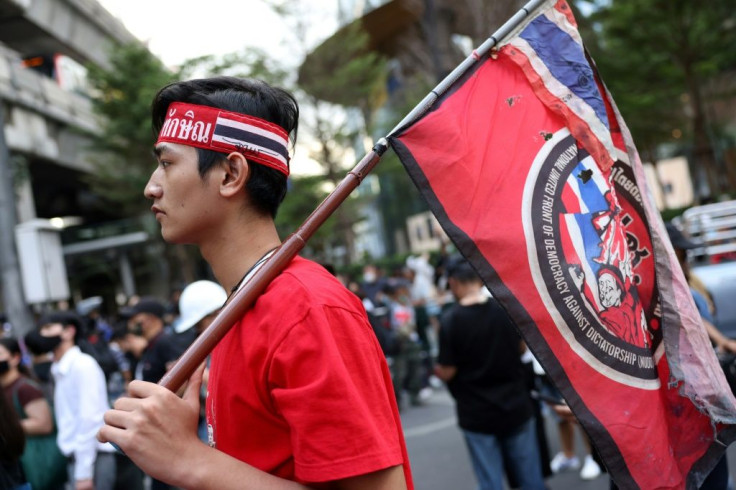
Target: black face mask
(38, 344)
(4, 367)
(43, 371)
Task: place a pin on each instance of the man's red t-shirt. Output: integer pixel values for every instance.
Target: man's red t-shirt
(299, 388)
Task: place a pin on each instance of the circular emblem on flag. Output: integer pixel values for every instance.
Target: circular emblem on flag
(591, 259)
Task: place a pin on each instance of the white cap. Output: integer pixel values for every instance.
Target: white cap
(198, 300)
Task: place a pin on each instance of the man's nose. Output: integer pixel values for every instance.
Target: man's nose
(153, 189)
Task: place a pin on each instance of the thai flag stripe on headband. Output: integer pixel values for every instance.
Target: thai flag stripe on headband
(210, 128)
(227, 131)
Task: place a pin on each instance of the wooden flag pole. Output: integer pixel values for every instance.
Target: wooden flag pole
(244, 298)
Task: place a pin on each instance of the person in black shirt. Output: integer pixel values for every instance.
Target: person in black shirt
(480, 361)
(160, 351)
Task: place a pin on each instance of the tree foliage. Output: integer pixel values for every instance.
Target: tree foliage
(658, 58)
(122, 159)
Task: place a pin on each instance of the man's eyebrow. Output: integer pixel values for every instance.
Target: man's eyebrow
(159, 149)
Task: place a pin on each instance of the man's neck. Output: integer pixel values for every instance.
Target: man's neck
(62, 349)
(238, 249)
(473, 295)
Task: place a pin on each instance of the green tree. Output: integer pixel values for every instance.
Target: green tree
(122, 98)
(658, 57)
(340, 85)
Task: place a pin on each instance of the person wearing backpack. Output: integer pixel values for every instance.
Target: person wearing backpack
(80, 401)
(42, 462)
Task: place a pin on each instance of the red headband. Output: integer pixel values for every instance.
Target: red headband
(214, 129)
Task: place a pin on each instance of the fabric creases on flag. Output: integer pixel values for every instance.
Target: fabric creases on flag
(531, 171)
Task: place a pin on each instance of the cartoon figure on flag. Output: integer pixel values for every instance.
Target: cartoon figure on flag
(620, 309)
(611, 293)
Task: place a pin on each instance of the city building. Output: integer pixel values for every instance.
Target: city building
(47, 120)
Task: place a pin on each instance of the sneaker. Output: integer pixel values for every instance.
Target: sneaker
(562, 463)
(425, 393)
(590, 470)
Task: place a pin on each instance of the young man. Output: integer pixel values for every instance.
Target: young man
(299, 392)
(80, 400)
(480, 359)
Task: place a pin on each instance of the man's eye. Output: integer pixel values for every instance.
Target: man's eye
(164, 163)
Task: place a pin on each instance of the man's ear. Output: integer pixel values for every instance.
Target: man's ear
(236, 174)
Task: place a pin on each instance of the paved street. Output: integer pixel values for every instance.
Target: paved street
(440, 461)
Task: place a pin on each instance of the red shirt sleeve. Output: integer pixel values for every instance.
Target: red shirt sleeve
(330, 381)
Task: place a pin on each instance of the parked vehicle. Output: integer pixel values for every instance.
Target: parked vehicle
(714, 227)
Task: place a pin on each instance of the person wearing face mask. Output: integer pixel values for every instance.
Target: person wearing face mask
(80, 401)
(14, 378)
(156, 348)
(153, 346)
(39, 351)
(35, 416)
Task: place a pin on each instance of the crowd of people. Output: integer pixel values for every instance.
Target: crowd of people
(306, 387)
(62, 377)
(435, 323)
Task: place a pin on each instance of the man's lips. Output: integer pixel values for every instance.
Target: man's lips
(157, 211)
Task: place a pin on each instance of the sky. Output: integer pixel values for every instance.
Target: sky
(177, 30)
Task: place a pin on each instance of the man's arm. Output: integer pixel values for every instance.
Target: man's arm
(445, 373)
(92, 395)
(723, 343)
(157, 430)
(39, 420)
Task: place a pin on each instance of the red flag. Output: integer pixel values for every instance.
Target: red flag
(531, 171)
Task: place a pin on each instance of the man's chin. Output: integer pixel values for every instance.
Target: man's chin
(175, 238)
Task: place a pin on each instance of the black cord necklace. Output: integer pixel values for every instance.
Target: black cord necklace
(247, 273)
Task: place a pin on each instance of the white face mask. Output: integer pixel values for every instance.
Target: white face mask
(369, 277)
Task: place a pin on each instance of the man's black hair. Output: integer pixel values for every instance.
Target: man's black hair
(66, 319)
(461, 270)
(266, 186)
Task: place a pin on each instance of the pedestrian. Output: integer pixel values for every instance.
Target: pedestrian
(12, 443)
(199, 304)
(43, 464)
(407, 355)
(80, 401)
(480, 360)
(298, 388)
(161, 348)
(566, 459)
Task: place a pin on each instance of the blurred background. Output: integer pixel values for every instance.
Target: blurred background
(77, 77)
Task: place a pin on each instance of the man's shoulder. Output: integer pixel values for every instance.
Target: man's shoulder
(305, 280)
(84, 363)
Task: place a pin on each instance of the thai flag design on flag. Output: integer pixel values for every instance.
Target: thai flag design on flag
(530, 169)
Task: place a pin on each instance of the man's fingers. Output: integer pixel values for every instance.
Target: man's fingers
(108, 433)
(126, 404)
(118, 418)
(143, 389)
